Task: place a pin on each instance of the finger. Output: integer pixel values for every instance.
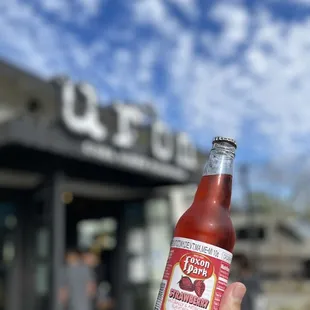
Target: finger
(233, 296)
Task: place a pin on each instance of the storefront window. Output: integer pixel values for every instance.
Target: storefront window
(157, 210)
(159, 233)
(136, 241)
(137, 273)
(41, 279)
(42, 242)
(42, 265)
(159, 238)
(99, 233)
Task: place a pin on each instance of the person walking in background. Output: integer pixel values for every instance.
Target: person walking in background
(252, 282)
(78, 284)
(102, 300)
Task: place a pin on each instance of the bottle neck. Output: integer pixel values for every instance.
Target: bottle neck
(215, 186)
(220, 161)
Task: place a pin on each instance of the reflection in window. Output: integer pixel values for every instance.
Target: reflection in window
(253, 233)
(136, 241)
(270, 275)
(157, 210)
(137, 271)
(7, 215)
(99, 233)
(43, 242)
(302, 227)
(42, 279)
(8, 251)
(10, 221)
(288, 232)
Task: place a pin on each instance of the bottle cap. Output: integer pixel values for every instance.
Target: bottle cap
(223, 139)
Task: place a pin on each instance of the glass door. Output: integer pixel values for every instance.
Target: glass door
(24, 279)
(31, 247)
(15, 277)
(45, 243)
(41, 252)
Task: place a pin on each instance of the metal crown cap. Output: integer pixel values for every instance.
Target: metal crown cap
(224, 139)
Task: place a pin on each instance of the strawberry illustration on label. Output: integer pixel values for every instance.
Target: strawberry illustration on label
(199, 287)
(186, 284)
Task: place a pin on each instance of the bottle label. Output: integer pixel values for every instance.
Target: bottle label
(195, 277)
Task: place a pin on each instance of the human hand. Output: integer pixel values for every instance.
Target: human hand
(233, 296)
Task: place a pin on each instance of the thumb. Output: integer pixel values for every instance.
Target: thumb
(233, 296)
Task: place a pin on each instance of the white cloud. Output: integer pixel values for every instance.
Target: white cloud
(149, 11)
(76, 11)
(188, 7)
(257, 61)
(234, 19)
(303, 2)
(268, 82)
(92, 7)
(58, 7)
(154, 13)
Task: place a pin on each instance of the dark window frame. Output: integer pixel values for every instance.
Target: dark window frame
(251, 233)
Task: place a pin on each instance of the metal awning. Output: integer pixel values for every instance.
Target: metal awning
(30, 145)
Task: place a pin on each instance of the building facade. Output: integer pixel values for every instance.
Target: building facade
(74, 172)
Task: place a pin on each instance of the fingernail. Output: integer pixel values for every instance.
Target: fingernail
(239, 291)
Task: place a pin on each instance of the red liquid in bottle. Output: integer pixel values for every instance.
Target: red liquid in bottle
(208, 219)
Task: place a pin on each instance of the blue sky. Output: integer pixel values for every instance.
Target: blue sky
(236, 68)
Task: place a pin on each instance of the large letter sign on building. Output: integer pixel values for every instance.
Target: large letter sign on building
(186, 155)
(128, 121)
(88, 123)
(171, 154)
(162, 142)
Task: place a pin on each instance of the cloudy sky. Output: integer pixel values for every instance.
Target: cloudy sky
(232, 68)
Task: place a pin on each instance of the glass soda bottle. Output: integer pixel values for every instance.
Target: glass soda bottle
(198, 265)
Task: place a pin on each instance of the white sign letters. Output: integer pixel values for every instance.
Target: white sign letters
(162, 142)
(165, 146)
(89, 123)
(128, 121)
(186, 155)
